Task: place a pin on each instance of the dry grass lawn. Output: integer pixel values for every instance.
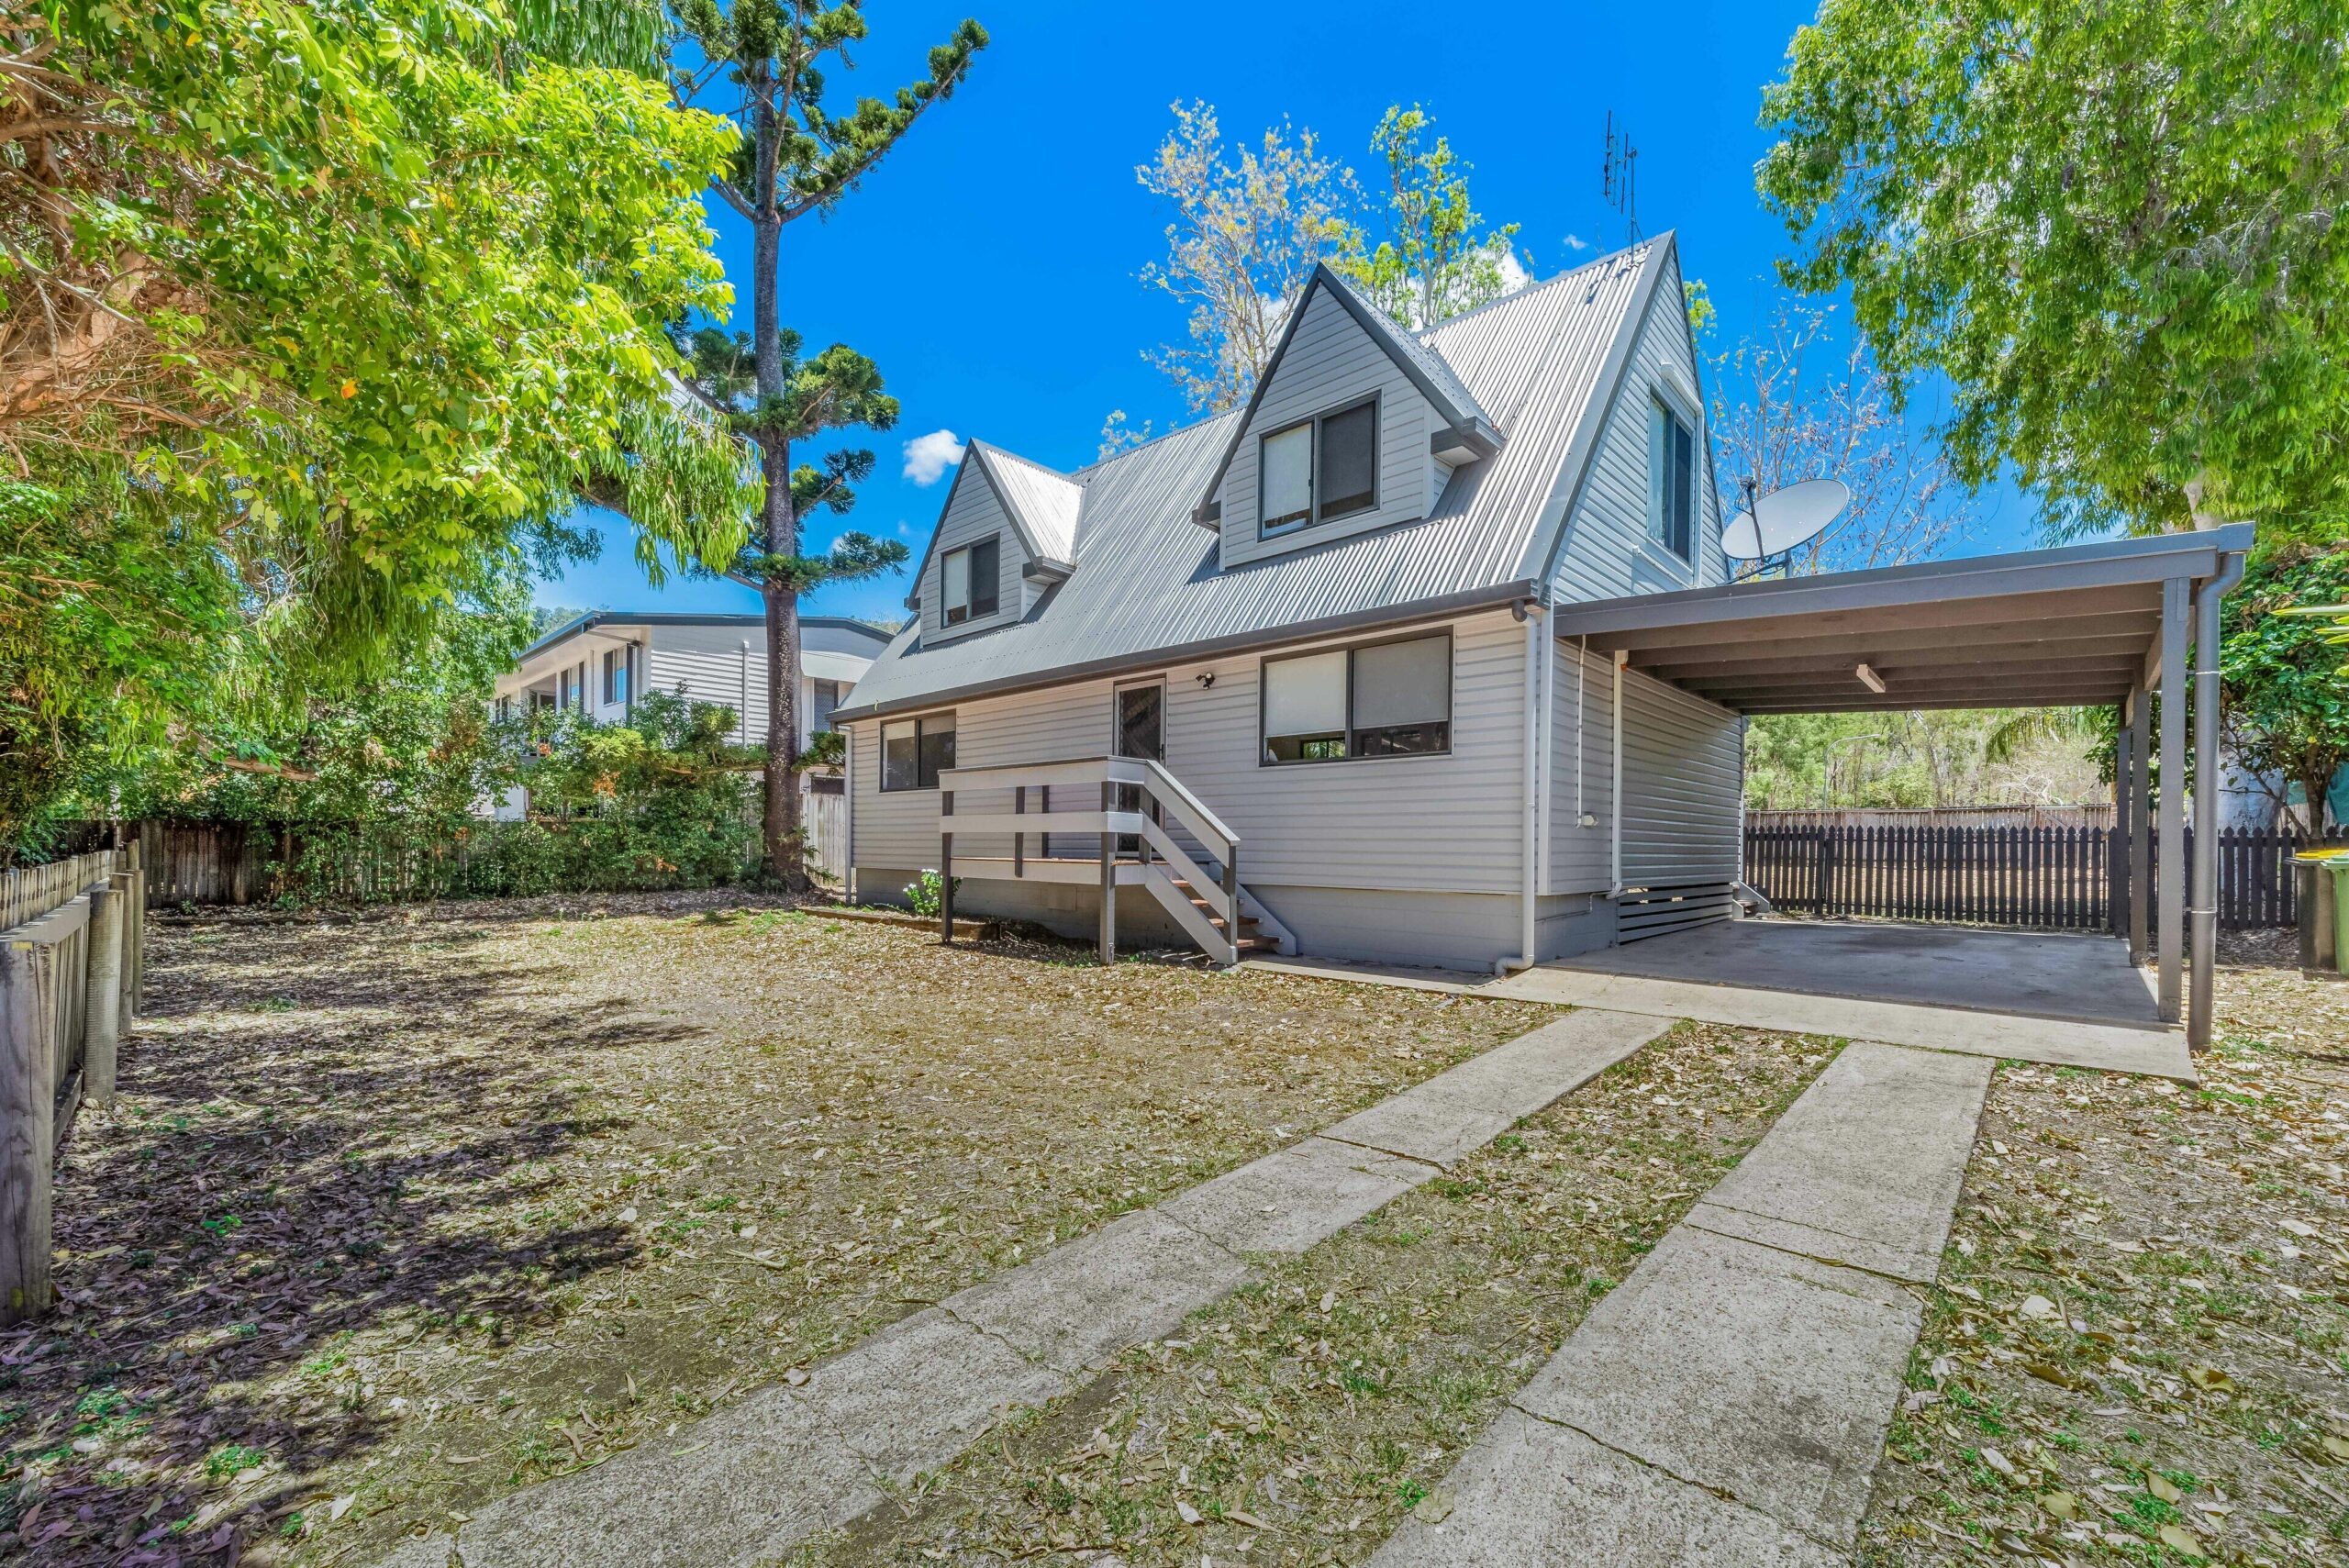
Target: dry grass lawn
(2139, 1350)
(395, 1216)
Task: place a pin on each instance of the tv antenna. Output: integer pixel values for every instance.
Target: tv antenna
(1773, 527)
(1619, 177)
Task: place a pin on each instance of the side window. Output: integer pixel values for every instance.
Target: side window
(972, 581)
(1672, 480)
(1383, 699)
(914, 752)
(828, 697)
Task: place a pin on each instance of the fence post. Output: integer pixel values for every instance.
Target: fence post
(134, 939)
(28, 1127)
(1826, 872)
(104, 990)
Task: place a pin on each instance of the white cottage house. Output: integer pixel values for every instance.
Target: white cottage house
(1429, 655)
(599, 662)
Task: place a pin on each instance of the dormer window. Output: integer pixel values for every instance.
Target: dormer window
(1320, 469)
(974, 581)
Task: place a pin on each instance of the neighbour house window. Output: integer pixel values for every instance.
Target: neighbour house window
(974, 581)
(828, 697)
(1672, 480)
(1383, 699)
(616, 664)
(1319, 470)
(914, 752)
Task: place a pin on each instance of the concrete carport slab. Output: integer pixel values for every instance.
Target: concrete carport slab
(2080, 626)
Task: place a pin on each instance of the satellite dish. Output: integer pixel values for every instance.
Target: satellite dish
(1784, 519)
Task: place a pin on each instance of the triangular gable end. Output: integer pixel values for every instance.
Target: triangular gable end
(1465, 432)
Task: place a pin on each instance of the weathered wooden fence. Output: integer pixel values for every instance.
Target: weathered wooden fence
(73, 954)
(2049, 878)
(826, 821)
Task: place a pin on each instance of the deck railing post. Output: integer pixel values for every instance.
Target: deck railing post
(1231, 899)
(103, 1033)
(946, 866)
(1109, 877)
(28, 1126)
(1019, 840)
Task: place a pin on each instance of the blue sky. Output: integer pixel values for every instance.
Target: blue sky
(988, 266)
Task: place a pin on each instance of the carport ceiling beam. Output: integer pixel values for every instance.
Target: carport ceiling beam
(2084, 690)
(2121, 652)
(2137, 629)
(1861, 700)
(1769, 621)
(1916, 677)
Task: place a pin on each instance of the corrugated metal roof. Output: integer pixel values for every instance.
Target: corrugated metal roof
(1045, 502)
(1148, 583)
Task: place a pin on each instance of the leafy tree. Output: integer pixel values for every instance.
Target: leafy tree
(1249, 227)
(1250, 223)
(1437, 259)
(1790, 405)
(2114, 227)
(2285, 712)
(794, 157)
(313, 318)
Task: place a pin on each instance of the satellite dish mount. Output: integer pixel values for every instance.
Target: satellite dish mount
(1773, 527)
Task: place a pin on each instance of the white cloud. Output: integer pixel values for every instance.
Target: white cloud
(1577, 242)
(1513, 274)
(928, 457)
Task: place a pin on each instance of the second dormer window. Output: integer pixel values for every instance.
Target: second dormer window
(974, 582)
(1319, 470)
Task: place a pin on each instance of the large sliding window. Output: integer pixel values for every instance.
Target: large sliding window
(1319, 470)
(1383, 699)
(974, 581)
(1672, 480)
(914, 752)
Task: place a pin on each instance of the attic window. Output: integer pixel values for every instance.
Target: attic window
(1320, 470)
(1671, 480)
(974, 581)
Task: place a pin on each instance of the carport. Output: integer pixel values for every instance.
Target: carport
(2082, 626)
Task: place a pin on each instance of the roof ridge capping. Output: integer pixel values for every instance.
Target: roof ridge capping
(1635, 254)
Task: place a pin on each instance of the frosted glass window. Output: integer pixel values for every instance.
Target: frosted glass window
(1286, 474)
(958, 587)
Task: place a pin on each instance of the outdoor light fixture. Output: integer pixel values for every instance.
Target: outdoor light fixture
(1869, 678)
(1207, 679)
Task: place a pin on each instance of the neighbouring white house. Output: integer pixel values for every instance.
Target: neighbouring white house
(601, 661)
(1429, 655)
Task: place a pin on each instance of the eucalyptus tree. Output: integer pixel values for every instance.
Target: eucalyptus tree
(762, 65)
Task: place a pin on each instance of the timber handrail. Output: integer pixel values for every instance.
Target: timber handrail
(1218, 929)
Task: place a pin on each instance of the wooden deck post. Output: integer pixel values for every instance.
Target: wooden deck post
(1108, 878)
(103, 1033)
(28, 1127)
(1019, 840)
(2169, 930)
(946, 867)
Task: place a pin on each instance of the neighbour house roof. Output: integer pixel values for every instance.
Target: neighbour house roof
(594, 618)
(1532, 369)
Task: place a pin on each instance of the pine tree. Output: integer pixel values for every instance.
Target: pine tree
(797, 158)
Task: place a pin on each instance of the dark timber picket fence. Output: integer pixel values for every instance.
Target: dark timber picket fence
(2049, 878)
(73, 953)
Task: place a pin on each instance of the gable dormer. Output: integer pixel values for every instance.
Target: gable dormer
(1356, 425)
(1007, 534)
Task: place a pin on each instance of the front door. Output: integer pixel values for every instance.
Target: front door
(1142, 732)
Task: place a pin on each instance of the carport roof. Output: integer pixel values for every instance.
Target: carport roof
(2068, 628)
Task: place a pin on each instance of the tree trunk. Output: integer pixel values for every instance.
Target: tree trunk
(778, 529)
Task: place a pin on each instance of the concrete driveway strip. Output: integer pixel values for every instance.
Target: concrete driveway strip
(749, 1481)
(1728, 1404)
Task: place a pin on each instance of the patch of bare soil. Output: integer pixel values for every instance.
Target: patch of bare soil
(1297, 1421)
(399, 1214)
(2138, 1349)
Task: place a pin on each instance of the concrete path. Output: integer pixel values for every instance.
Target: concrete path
(749, 1481)
(2159, 1053)
(1726, 1406)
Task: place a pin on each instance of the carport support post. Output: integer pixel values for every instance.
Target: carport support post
(2170, 928)
(2140, 819)
(2204, 936)
(2124, 795)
